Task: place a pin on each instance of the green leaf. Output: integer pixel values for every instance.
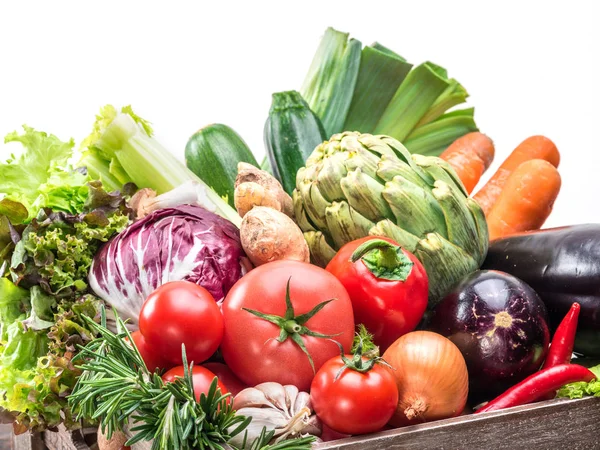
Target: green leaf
(432, 139)
(40, 176)
(418, 92)
(331, 79)
(582, 389)
(379, 77)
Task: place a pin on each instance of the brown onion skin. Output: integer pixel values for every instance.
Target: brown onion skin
(431, 375)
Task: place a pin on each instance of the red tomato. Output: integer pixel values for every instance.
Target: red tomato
(181, 312)
(202, 379)
(225, 375)
(250, 344)
(355, 403)
(152, 359)
(388, 308)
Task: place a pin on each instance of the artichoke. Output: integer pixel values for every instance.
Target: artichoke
(355, 185)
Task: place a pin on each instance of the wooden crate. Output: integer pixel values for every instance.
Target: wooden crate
(554, 424)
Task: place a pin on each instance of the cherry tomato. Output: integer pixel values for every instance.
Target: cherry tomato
(389, 301)
(255, 348)
(224, 373)
(202, 379)
(181, 312)
(152, 359)
(354, 403)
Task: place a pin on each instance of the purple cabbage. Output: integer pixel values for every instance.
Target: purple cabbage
(181, 243)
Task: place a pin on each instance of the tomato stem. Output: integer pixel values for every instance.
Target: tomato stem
(292, 326)
(383, 259)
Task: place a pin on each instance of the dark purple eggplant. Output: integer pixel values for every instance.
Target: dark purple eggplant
(563, 266)
(501, 327)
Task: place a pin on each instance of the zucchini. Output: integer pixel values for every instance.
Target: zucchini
(292, 132)
(213, 153)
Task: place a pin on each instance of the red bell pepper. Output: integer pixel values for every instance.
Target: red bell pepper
(388, 286)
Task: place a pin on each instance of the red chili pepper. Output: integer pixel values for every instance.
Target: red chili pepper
(539, 384)
(561, 348)
(388, 286)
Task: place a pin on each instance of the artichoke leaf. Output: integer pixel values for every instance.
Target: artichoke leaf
(440, 170)
(365, 160)
(389, 229)
(330, 175)
(300, 213)
(314, 203)
(416, 209)
(390, 166)
(460, 222)
(345, 224)
(365, 195)
(482, 228)
(447, 261)
(320, 250)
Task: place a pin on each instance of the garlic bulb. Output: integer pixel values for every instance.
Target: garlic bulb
(281, 408)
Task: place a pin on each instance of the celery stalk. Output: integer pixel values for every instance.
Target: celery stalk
(331, 78)
(432, 139)
(121, 148)
(422, 86)
(379, 76)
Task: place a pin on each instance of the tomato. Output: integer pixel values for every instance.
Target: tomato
(181, 312)
(152, 359)
(224, 373)
(257, 350)
(201, 377)
(354, 403)
(389, 303)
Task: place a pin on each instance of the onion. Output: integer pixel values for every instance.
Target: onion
(431, 375)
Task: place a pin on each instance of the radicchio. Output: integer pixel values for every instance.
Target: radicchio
(181, 243)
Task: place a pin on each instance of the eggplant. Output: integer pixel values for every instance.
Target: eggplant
(500, 325)
(563, 266)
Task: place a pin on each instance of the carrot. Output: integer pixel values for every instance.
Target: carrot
(534, 147)
(526, 200)
(470, 156)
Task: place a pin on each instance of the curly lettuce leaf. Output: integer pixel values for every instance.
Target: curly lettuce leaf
(582, 389)
(40, 176)
(56, 249)
(37, 372)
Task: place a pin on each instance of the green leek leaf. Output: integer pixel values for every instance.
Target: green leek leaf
(379, 76)
(419, 91)
(329, 84)
(432, 139)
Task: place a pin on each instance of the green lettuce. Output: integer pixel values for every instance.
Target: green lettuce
(37, 372)
(582, 389)
(57, 249)
(40, 177)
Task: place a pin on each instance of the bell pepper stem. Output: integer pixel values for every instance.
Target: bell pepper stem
(384, 259)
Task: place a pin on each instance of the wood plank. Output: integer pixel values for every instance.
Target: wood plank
(555, 424)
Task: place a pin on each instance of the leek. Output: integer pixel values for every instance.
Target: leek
(121, 149)
(330, 82)
(412, 100)
(432, 139)
(380, 74)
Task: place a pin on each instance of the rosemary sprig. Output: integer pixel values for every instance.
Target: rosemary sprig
(116, 388)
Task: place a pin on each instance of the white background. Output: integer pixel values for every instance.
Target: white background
(531, 67)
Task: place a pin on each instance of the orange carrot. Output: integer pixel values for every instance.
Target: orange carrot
(534, 147)
(526, 200)
(470, 156)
